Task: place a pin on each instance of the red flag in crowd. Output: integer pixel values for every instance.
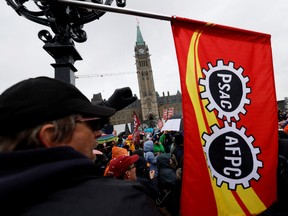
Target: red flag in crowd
(136, 121)
(136, 133)
(230, 119)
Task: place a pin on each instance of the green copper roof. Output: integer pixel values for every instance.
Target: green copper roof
(139, 40)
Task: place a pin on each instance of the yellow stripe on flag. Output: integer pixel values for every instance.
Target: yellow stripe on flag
(194, 67)
(250, 199)
(191, 82)
(226, 202)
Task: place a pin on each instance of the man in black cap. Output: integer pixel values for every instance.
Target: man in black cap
(48, 130)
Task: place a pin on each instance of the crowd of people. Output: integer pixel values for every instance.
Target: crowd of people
(155, 160)
(283, 122)
(282, 170)
(51, 163)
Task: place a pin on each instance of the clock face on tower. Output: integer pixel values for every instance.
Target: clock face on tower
(141, 51)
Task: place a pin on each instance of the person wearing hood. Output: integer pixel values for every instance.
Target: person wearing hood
(48, 131)
(151, 161)
(169, 186)
(129, 143)
(150, 158)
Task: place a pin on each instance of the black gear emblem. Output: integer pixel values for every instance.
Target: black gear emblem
(226, 89)
(231, 156)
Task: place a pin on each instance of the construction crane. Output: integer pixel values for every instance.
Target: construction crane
(102, 75)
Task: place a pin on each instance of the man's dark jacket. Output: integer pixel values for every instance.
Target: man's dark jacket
(61, 181)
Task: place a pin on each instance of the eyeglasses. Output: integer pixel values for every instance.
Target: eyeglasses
(94, 123)
(131, 167)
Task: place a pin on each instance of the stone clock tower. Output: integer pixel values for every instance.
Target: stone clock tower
(148, 99)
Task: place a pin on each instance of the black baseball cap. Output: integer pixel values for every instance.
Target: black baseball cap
(38, 100)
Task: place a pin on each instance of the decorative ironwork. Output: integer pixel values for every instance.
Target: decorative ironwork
(66, 21)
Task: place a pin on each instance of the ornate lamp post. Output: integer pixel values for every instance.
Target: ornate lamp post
(66, 22)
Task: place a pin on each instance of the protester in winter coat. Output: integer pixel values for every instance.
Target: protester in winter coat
(158, 147)
(150, 158)
(168, 185)
(167, 175)
(166, 141)
(141, 164)
(142, 172)
(48, 130)
(100, 161)
(119, 142)
(129, 143)
(179, 149)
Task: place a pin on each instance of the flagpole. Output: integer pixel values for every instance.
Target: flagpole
(102, 7)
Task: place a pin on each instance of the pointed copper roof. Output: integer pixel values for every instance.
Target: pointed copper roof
(139, 39)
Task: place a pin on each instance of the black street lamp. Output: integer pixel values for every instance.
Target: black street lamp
(66, 21)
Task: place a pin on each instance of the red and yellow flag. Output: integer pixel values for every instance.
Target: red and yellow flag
(230, 119)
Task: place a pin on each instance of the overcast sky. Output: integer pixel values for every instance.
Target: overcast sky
(111, 40)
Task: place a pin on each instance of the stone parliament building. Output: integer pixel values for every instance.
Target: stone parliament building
(151, 106)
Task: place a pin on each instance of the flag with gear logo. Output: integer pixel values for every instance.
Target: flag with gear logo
(230, 119)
